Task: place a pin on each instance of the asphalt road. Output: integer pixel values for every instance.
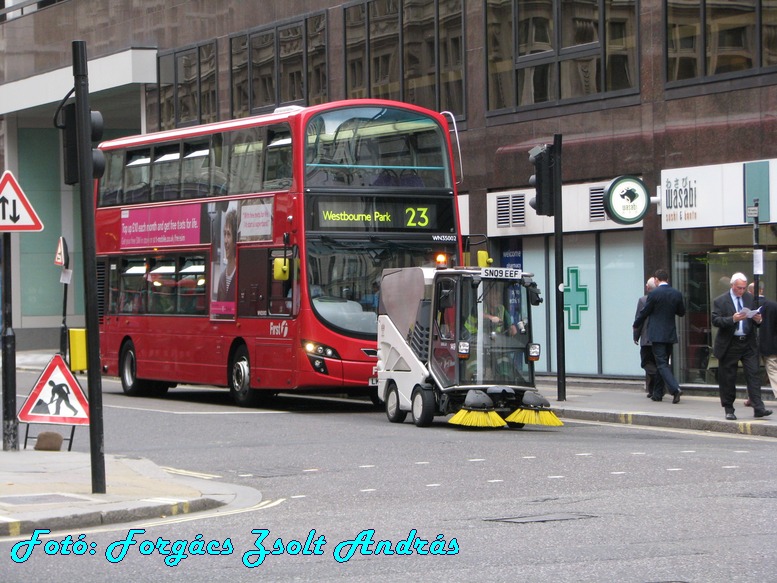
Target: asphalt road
(584, 502)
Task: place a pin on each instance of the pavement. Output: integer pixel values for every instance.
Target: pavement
(52, 490)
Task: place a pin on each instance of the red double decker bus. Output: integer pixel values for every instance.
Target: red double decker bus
(247, 254)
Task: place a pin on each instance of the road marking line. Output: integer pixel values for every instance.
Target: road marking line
(149, 410)
(181, 472)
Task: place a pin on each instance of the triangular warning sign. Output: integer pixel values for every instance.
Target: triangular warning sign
(59, 257)
(16, 212)
(56, 398)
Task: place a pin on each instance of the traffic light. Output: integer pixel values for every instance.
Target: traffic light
(96, 127)
(69, 126)
(542, 180)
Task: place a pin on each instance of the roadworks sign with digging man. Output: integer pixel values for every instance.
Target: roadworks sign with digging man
(56, 398)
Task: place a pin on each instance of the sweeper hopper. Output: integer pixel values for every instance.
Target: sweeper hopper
(457, 341)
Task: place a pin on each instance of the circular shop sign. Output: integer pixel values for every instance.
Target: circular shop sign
(626, 200)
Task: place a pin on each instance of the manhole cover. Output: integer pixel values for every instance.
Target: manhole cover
(542, 518)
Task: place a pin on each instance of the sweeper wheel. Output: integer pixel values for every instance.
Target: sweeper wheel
(423, 406)
(393, 412)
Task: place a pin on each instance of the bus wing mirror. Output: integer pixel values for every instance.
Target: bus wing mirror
(280, 269)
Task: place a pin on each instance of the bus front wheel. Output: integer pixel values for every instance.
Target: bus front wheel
(240, 379)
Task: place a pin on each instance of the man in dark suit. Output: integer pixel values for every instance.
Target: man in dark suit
(736, 342)
(661, 306)
(653, 383)
(767, 340)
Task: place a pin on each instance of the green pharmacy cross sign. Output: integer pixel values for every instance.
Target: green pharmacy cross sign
(575, 297)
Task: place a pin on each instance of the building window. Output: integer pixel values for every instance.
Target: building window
(283, 65)
(707, 39)
(407, 50)
(542, 52)
(186, 92)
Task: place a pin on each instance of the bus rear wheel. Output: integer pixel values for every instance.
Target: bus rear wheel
(240, 379)
(130, 383)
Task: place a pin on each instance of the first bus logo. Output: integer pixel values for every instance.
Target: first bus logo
(279, 329)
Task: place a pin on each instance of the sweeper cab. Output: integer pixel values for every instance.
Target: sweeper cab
(458, 341)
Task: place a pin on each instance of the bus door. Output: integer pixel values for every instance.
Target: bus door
(265, 306)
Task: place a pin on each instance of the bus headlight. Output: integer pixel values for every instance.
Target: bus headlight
(533, 352)
(317, 354)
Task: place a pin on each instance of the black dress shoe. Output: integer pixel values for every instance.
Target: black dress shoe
(731, 417)
(676, 398)
(764, 413)
(654, 399)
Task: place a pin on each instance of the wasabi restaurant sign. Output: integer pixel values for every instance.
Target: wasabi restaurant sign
(626, 200)
(716, 195)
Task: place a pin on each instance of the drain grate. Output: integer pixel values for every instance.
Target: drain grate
(542, 518)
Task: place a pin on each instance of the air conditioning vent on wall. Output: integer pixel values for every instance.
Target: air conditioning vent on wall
(596, 204)
(511, 210)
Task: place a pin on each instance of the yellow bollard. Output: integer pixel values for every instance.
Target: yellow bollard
(77, 349)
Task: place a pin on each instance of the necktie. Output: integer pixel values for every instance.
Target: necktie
(741, 324)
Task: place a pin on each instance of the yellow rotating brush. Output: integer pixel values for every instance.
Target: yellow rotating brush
(534, 414)
(477, 411)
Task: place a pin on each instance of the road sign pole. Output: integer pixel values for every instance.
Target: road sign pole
(10, 423)
(16, 215)
(86, 184)
(63, 259)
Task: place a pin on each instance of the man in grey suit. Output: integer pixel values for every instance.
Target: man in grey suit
(661, 306)
(736, 342)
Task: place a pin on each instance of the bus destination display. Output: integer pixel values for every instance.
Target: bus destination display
(382, 215)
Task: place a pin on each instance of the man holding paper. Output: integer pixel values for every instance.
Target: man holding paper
(736, 318)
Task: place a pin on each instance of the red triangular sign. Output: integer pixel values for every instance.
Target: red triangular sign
(59, 257)
(57, 398)
(16, 212)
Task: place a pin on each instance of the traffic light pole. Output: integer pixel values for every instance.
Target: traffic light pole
(558, 228)
(86, 184)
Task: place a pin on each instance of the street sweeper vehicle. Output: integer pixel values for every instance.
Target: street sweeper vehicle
(458, 341)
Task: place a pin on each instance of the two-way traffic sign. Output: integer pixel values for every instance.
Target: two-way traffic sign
(16, 212)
